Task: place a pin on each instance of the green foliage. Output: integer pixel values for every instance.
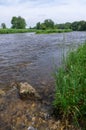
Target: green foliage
(38, 25)
(7, 31)
(47, 24)
(82, 26)
(18, 23)
(52, 31)
(79, 26)
(75, 26)
(60, 26)
(3, 25)
(70, 96)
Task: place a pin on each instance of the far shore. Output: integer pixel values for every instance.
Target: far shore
(10, 31)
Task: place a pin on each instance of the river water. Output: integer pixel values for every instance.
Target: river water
(32, 58)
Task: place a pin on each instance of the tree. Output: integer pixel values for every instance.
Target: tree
(49, 23)
(3, 25)
(18, 22)
(38, 25)
(74, 26)
(67, 25)
(14, 22)
(60, 26)
(43, 26)
(82, 26)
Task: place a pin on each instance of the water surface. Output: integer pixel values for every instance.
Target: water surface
(32, 58)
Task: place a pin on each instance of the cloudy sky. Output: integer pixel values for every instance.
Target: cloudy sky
(33, 11)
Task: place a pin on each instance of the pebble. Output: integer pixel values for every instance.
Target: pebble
(2, 93)
(31, 128)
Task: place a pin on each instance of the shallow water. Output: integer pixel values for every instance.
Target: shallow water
(32, 58)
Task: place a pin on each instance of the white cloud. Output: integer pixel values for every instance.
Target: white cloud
(38, 10)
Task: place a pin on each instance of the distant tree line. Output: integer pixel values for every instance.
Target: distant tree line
(20, 23)
(75, 26)
(49, 24)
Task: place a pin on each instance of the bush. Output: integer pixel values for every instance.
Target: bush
(70, 95)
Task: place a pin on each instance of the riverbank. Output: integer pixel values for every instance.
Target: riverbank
(70, 95)
(53, 31)
(9, 31)
(22, 114)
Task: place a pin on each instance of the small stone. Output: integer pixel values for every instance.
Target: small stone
(31, 128)
(2, 107)
(33, 105)
(2, 93)
(34, 119)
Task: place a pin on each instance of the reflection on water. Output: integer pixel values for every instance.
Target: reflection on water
(32, 58)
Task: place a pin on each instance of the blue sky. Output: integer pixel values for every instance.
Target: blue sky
(33, 11)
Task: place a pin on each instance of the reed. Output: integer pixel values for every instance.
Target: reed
(70, 94)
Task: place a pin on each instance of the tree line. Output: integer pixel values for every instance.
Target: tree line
(20, 23)
(49, 24)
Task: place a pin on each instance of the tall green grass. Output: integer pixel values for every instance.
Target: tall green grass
(8, 31)
(70, 95)
(47, 31)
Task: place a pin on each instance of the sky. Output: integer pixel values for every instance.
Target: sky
(33, 11)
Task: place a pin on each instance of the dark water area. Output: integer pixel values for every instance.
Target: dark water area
(32, 58)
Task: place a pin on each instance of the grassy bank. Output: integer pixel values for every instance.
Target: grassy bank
(52, 31)
(8, 31)
(70, 96)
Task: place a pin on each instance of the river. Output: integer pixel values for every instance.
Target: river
(33, 58)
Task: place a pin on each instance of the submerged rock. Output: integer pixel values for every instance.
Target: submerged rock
(27, 91)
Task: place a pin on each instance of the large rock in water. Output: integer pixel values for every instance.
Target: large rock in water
(27, 91)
